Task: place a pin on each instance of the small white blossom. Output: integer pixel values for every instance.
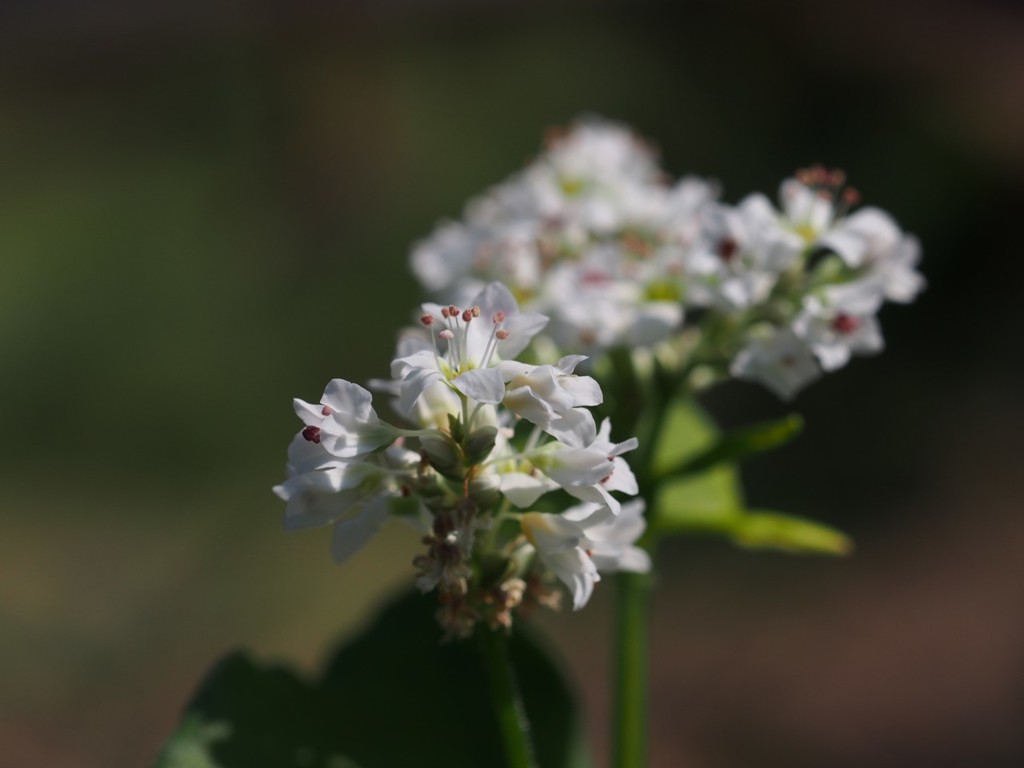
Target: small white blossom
(839, 323)
(870, 240)
(741, 254)
(780, 360)
(553, 398)
(560, 545)
(611, 540)
(588, 473)
(344, 421)
(467, 345)
(585, 541)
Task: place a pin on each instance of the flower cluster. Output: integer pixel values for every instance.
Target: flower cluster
(594, 235)
(504, 468)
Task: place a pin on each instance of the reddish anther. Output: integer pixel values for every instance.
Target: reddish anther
(844, 323)
(727, 248)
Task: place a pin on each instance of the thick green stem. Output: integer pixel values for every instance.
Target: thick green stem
(508, 705)
(646, 412)
(631, 673)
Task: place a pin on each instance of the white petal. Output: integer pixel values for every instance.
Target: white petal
(575, 427)
(523, 490)
(521, 330)
(350, 535)
(485, 385)
(348, 398)
(414, 384)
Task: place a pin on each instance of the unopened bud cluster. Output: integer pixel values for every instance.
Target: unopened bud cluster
(488, 438)
(595, 235)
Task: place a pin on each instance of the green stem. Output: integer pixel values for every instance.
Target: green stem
(632, 619)
(630, 735)
(508, 705)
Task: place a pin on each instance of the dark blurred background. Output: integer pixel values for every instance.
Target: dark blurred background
(206, 211)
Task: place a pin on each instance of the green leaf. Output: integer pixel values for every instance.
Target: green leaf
(702, 500)
(687, 430)
(735, 446)
(774, 530)
(700, 492)
(393, 696)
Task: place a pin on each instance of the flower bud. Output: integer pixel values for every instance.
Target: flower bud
(480, 443)
(485, 490)
(442, 454)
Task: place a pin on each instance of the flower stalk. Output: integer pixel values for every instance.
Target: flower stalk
(506, 700)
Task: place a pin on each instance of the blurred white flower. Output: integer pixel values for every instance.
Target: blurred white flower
(780, 360)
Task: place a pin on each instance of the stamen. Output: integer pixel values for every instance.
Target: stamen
(312, 434)
(447, 334)
(727, 248)
(467, 315)
(844, 323)
(501, 334)
(327, 411)
(427, 320)
(499, 317)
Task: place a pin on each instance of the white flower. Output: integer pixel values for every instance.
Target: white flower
(808, 206)
(344, 421)
(353, 494)
(839, 323)
(780, 360)
(605, 300)
(553, 398)
(584, 541)
(870, 239)
(467, 345)
(611, 540)
(560, 545)
(621, 477)
(588, 473)
(741, 254)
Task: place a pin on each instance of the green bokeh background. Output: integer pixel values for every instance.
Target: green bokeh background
(205, 212)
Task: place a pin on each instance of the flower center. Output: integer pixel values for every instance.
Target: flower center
(844, 323)
(455, 358)
(727, 248)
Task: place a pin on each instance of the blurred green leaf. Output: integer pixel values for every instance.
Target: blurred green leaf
(701, 492)
(393, 696)
(757, 530)
(687, 431)
(736, 446)
(701, 500)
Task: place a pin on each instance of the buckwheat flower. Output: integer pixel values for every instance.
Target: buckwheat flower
(779, 359)
(603, 300)
(588, 473)
(560, 545)
(468, 344)
(553, 397)
(611, 541)
(808, 202)
(344, 421)
(870, 240)
(621, 477)
(579, 471)
(838, 323)
(597, 173)
(741, 253)
(446, 257)
(319, 490)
